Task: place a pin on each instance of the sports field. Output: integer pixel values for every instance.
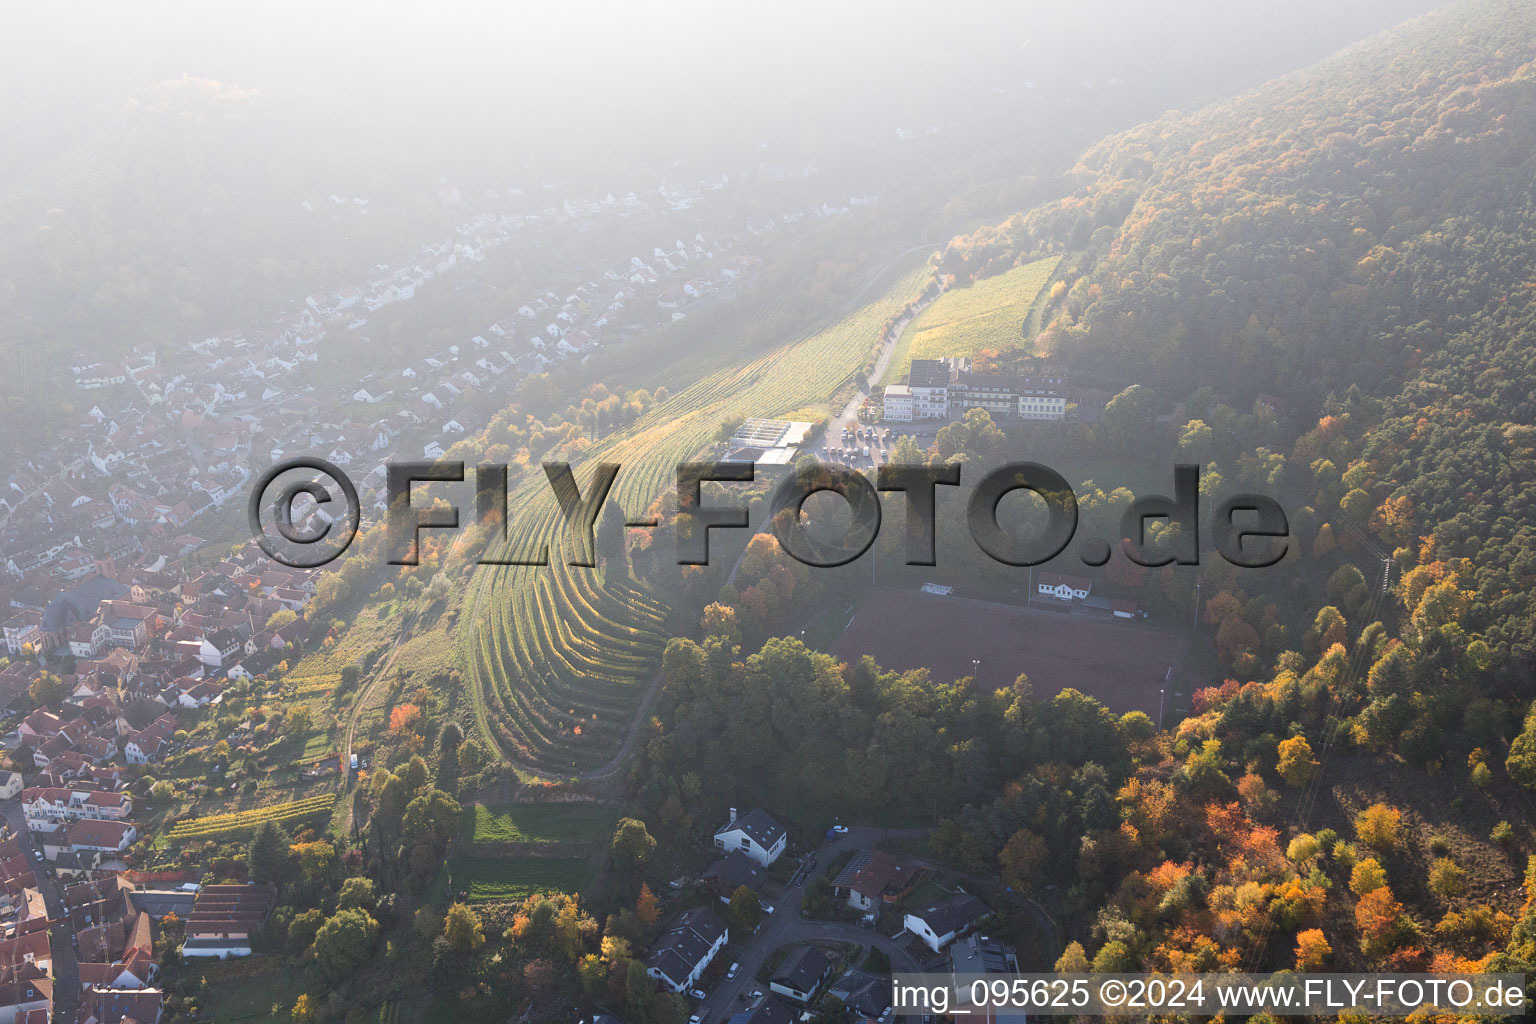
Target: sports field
(1123, 664)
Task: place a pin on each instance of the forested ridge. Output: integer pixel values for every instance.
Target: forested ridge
(1353, 247)
(1357, 239)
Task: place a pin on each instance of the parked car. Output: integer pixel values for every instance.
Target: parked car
(697, 993)
(841, 830)
(730, 975)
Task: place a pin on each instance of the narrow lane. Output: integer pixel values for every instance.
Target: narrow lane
(66, 964)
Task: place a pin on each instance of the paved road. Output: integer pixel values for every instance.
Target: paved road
(66, 966)
(785, 926)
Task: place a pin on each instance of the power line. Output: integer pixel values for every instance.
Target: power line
(1314, 790)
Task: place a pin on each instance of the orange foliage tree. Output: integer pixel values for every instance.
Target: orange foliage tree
(403, 717)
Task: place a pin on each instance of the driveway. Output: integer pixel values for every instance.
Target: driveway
(66, 966)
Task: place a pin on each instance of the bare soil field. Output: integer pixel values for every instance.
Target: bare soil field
(1122, 664)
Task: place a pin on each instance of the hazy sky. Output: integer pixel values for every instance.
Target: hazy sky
(462, 72)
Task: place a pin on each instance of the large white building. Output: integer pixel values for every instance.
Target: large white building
(1063, 587)
(941, 388)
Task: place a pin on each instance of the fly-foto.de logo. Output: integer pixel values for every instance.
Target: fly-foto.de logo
(1248, 530)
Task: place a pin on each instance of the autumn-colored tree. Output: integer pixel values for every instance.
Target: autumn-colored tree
(647, 906)
(1223, 606)
(1022, 859)
(314, 858)
(720, 620)
(615, 948)
(1255, 794)
(462, 929)
(1302, 849)
(1328, 628)
(1367, 876)
(1296, 765)
(404, 717)
(1393, 520)
(1446, 878)
(1234, 639)
(1312, 950)
(1378, 825)
(539, 973)
(1378, 915)
(1073, 960)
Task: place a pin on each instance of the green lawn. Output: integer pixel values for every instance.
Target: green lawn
(990, 313)
(539, 823)
(512, 878)
(229, 997)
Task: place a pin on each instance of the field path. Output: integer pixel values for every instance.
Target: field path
(380, 671)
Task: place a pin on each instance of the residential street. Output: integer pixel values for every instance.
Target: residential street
(66, 966)
(785, 927)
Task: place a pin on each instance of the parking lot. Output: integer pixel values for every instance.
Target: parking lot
(846, 440)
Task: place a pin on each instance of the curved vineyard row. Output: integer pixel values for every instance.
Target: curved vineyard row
(219, 825)
(556, 657)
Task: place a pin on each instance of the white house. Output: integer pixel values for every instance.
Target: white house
(940, 924)
(690, 943)
(755, 834)
(10, 784)
(802, 973)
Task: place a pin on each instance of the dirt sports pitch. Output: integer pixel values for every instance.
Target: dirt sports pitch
(1123, 664)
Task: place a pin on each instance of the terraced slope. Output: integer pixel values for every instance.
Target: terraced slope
(556, 658)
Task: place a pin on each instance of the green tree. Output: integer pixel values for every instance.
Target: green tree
(46, 690)
(357, 892)
(1127, 417)
(302, 930)
(343, 943)
(414, 774)
(1521, 762)
(1447, 878)
(267, 856)
(632, 843)
(462, 929)
(744, 911)
(638, 991)
(434, 815)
